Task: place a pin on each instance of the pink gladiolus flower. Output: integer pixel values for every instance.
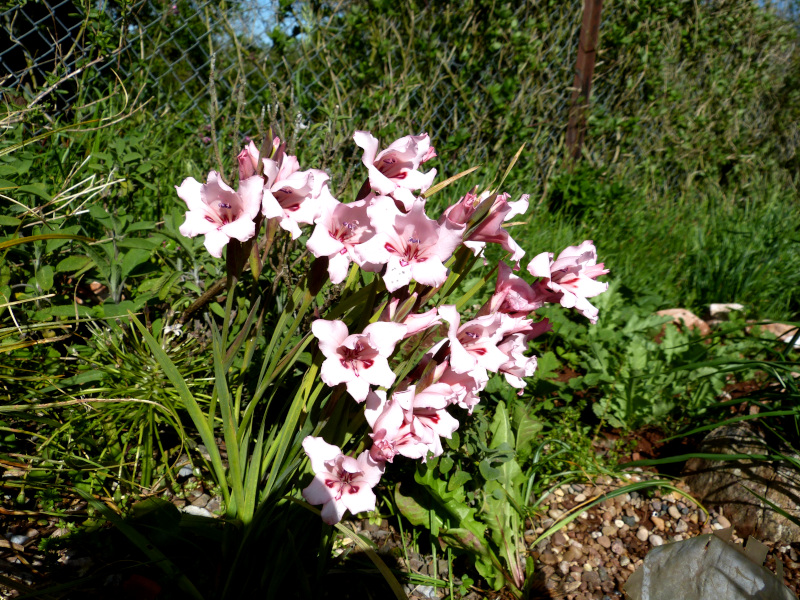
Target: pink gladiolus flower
(359, 360)
(491, 228)
(394, 171)
(248, 159)
(412, 245)
(464, 387)
(513, 295)
(414, 322)
(473, 345)
(391, 433)
(410, 424)
(340, 228)
(219, 212)
(341, 482)
(291, 195)
(571, 277)
(518, 365)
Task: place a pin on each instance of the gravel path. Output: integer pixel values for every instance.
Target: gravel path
(591, 558)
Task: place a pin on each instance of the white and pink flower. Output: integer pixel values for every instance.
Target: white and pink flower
(410, 424)
(411, 245)
(358, 360)
(341, 482)
(291, 195)
(339, 229)
(473, 345)
(490, 228)
(219, 212)
(395, 170)
(570, 279)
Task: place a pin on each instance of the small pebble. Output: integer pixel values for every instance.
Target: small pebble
(610, 530)
(19, 539)
(681, 526)
(642, 534)
(617, 547)
(580, 498)
(723, 521)
(554, 513)
(604, 541)
(624, 561)
(656, 504)
(629, 521)
(549, 558)
(674, 512)
(186, 471)
(559, 492)
(656, 540)
(658, 522)
(619, 523)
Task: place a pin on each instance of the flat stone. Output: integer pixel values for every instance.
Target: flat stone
(683, 318)
(214, 505)
(572, 554)
(201, 500)
(549, 558)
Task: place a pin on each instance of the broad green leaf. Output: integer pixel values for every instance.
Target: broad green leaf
(463, 539)
(37, 189)
(138, 243)
(44, 277)
(417, 508)
(132, 259)
(488, 472)
(7, 221)
(65, 310)
(109, 309)
(458, 480)
(73, 263)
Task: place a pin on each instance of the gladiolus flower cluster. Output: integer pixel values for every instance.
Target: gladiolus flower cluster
(388, 231)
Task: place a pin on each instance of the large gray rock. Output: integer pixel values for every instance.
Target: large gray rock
(724, 483)
(703, 568)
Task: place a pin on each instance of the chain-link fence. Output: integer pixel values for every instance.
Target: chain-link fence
(480, 83)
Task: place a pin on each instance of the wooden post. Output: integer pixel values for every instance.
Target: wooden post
(584, 69)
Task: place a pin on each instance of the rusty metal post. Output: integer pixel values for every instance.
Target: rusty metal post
(584, 69)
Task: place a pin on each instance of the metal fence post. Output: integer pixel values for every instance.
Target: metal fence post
(584, 69)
